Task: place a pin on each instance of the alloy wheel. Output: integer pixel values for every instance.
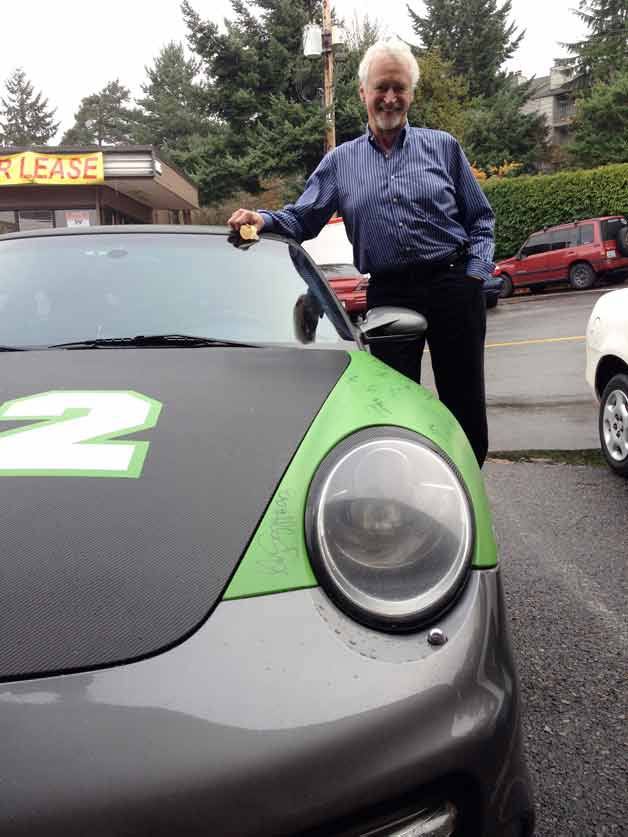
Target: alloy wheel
(615, 425)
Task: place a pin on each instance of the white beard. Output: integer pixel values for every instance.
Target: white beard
(389, 120)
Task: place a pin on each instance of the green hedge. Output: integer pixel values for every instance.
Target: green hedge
(525, 204)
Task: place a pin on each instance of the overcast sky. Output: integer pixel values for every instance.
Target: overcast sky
(72, 51)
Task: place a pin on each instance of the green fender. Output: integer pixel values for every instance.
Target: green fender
(368, 394)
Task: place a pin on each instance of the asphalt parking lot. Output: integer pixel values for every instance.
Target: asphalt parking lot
(563, 537)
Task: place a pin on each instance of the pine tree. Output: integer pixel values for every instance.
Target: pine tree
(260, 92)
(103, 118)
(174, 105)
(474, 36)
(25, 118)
(604, 53)
(600, 129)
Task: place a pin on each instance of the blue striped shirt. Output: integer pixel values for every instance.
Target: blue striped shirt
(414, 204)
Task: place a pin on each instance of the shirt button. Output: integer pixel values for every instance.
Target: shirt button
(395, 200)
(400, 224)
(406, 249)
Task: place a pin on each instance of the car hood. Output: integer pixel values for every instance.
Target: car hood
(110, 562)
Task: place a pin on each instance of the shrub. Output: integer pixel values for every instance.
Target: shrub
(528, 203)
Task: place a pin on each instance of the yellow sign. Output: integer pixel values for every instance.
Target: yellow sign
(32, 168)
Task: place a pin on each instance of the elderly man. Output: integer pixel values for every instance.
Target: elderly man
(418, 223)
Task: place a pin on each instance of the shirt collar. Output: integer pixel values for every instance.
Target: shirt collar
(401, 139)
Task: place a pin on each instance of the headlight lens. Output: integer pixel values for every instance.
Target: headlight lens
(389, 528)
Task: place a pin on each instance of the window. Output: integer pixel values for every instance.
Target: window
(587, 234)
(35, 219)
(56, 289)
(563, 238)
(537, 243)
(609, 228)
(8, 222)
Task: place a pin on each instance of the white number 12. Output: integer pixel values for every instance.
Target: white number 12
(73, 438)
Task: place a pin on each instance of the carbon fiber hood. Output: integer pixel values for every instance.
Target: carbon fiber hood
(94, 570)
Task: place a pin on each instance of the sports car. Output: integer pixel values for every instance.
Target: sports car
(249, 579)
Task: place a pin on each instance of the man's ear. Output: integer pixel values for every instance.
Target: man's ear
(362, 93)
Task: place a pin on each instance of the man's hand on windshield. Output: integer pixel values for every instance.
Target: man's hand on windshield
(245, 216)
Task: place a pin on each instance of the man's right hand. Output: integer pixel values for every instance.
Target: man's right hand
(245, 216)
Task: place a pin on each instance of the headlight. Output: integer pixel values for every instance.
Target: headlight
(389, 528)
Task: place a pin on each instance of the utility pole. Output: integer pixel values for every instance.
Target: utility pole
(328, 78)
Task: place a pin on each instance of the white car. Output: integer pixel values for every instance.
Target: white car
(607, 374)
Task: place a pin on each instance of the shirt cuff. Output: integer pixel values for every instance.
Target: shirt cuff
(479, 268)
(268, 220)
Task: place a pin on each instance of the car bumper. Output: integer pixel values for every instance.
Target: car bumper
(278, 716)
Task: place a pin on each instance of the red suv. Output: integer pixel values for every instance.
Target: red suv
(578, 253)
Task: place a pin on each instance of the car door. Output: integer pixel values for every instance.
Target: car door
(590, 248)
(563, 243)
(531, 267)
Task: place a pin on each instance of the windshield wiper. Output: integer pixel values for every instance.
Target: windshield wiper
(12, 349)
(188, 341)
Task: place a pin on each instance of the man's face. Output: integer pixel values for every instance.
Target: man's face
(387, 93)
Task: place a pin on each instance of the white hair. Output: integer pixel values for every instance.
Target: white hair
(394, 48)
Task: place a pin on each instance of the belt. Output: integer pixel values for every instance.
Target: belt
(456, 257)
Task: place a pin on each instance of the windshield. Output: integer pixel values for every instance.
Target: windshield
(81, 287)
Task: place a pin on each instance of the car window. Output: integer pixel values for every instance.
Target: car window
(56, 289)
(587, 233)
(340, 270)
(564, 237)
(611, 227)
(537, 243)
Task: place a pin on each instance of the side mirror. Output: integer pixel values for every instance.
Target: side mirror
(393, 325)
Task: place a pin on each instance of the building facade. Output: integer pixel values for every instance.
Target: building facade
(554, 96)
(62, 187)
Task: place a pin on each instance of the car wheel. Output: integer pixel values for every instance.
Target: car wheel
(581, 276)
(506, 289)
(622, 240)
(613, 423)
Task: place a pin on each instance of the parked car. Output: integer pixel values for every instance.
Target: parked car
(578, 252)
(349, 285)
(492, 287)
(607, 374)
(333, 253)
(249, 579)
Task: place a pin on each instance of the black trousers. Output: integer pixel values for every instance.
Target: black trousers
(454, 307)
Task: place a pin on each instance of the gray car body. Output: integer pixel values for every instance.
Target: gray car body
(279, 715)
(274, 715)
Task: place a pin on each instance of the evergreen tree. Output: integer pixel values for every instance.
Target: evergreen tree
(474, 36)
(173, 107)
(601, 125)
(604, 53)
(261, 91)
(103, 118)
(497, 130)
(25, 118)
